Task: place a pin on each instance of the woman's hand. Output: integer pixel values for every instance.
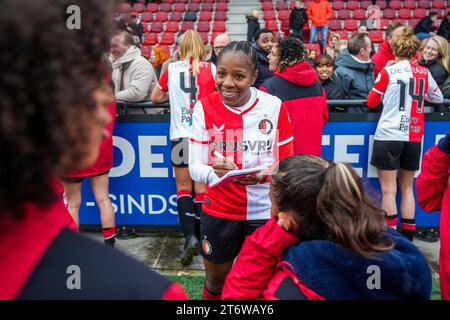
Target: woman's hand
(222, 166)
(250, 179)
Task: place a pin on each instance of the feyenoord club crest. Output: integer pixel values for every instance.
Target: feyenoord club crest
(206, 247)
(265, 126)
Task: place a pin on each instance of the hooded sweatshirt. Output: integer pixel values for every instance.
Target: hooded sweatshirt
(297, 86)
(382, 57)
(139, 77)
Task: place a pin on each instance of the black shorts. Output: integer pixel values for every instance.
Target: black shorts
(79, 180)
(222, 239)
(179, 153)
(394, 155)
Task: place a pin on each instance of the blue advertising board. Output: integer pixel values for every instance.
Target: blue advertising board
(142, 184)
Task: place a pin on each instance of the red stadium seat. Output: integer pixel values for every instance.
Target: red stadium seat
(404, 13)
(179, 7)
(272, 25)
(269, 15)
(167, 38)
(187, 25)
(176, 16)
(389, 13)
(209, 1)
(281, 5)
(344, 14)
(343, 34)
(150, 38)
(161, 16)
(147, 16)
(146, 51)
(409, 4)
(207, 7)
(439, 4)
(167, 7)
(124, 8)
(152, 7)
(351, 25)
(203, 26)
(283, 15)
(402, 21)
(352, 5)
(219, 26)
(193, 7)
(183, 1)
(424, 4)
(395, 4)
(221, 6)
(413, 22)
(219, 15)
(195, 1)
(139, 7)
(420, 13)
(359, 14)
(376, 36)
(334, 24)
(267, 6)
(337, 5)
(172, 26)
(205, 16)
(384, 23)
(285, 26)
(365, 4)
(313, 46)
(381, 3)
(171, 1)
(204, 37)
(145, 26)
(156, 27)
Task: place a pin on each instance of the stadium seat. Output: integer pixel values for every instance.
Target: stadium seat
(145, 27)
(161, 16)
(219, 15)
(334, 24)
(402, 21)
(205, 16)
(381, 3)
(343, 34)
(147, 16)
(409, 4)
(283, 15)
(267, 6)
(124, 8)
(203, 26)
(420, 13)
(281, 5)
(352, 5)
(207, 7)
(359, 14)
(139, 7)
(350, 25)
(337, 5)
(152, 7)
(424, 4)
(285, 26)
(365, 4)
(172, 1)
(176, 16)
(195, 1)
(179, 7)
(150, 38)
(166, 7)
(167, 38)
(384, 23)
(190, 16)
(376, 36)
(344, 14)
(395, 4)
(269, 15)
(404, 13)
(209, 1)
(221, 6)
(204, 37)
(413, 22)
(187, 25)
(194, 7)
(156, 27)
(219, 26)
(439, 4)
(389, 13)
(172, 26)
(146, 51)
(313, 46)
(272, 25)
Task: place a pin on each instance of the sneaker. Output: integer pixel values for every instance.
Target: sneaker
(190, 249)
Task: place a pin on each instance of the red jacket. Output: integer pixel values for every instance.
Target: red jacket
(297, 86)
(382, 57)
(319, 12)
(433, 193)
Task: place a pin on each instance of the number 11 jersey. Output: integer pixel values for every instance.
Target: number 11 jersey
(184, 90)
(404, 87)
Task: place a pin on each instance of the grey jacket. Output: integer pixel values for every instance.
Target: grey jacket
(355, 77)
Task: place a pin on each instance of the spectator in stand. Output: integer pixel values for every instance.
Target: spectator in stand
(133, 75)
(296, 84)
(220, 42)
(252, 25)
(264, 41)
(333, 45)
(446, 89)
(354, 70)
(436, 57)
(297, 20)
(136, 28)
(433, 193)
(157, 57)
(444, 28)
(363, 29)
(319, 12)
(324, 66)
(385, 53)
(426, 27)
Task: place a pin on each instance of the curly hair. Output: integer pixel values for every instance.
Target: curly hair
(290, 51)
(161, 56)
(49, 75)
(407, 44)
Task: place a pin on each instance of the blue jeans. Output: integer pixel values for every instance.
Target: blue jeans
(323, 31)
(423, 35)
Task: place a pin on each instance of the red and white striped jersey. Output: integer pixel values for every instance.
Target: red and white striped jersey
(258, 134)
(404, 87)
(184, 90)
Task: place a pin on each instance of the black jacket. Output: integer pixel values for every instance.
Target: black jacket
(263, 66)
(297, 19)
(444, 29)
(437, 71)
(425, 25)
(252, 27)
(334, 92)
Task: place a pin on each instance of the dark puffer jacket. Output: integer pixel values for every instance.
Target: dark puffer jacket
(263, 66)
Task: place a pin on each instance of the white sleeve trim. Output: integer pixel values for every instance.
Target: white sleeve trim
(282, 143)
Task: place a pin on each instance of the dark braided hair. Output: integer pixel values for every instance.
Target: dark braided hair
(290, 51)
(49, 75)
(245, 48)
